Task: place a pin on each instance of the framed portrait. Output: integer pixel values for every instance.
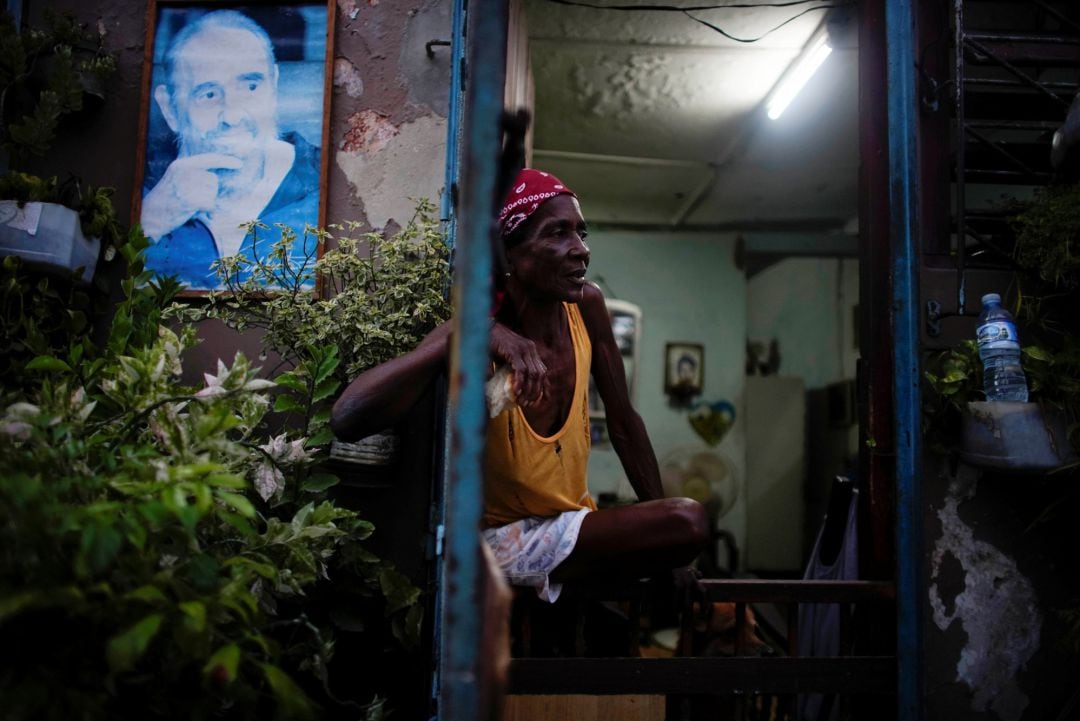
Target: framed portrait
(233, 128)
(684, 369)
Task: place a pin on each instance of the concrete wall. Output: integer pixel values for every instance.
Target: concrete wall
(689, 290)
(807, 305)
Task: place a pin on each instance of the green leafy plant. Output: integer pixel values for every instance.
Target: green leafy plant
(1047, 237)
(39, 313)
(160, 548)
(376, 296)
(954, 379)
(46, 74)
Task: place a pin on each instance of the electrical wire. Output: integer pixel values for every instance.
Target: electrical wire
(697, 8)
(677, 9)
(729, 36)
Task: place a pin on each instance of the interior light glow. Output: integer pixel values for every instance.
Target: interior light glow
(798, 77)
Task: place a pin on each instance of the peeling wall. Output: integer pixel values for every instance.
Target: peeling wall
(992, 587)
(390, 104)
(997, 609)
(390, 166)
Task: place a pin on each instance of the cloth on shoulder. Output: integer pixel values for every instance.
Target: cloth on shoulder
(528, 550)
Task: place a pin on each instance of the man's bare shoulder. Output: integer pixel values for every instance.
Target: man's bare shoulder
(592, 296)
(593, 308)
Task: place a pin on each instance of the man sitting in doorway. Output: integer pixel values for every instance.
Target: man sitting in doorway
(551, 329)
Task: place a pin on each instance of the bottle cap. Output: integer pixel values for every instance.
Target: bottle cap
(991, 298)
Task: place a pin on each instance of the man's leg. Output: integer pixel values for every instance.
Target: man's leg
(638, 540)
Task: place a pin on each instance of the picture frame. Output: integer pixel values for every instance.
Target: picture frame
(684, 369)
(233, 128)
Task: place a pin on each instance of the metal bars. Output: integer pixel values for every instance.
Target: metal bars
(1004, 50)
(961, 224)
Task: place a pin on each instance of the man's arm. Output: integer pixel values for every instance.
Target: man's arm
(381, 396)
(627, 431)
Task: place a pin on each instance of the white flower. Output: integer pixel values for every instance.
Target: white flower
(297, 452)
(79, 406)
(16, 421)
(161, 470)
(214, 383)
(268, 480)
(282, 450)
(22, 410)
(18, 430)
(275, 448)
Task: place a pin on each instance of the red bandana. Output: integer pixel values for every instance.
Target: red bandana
(531, 189)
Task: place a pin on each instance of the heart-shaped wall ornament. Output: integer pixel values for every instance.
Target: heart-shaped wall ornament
(712, 421)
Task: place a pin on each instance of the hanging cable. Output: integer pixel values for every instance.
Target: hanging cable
(697, 8)
(729, 36)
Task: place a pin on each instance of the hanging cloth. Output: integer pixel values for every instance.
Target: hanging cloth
(819, 623)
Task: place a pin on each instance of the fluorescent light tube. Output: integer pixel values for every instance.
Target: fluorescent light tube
(797, 78)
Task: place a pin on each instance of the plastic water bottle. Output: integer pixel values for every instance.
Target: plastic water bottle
(999, 348)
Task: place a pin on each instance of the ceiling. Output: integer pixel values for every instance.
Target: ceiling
(655, 119)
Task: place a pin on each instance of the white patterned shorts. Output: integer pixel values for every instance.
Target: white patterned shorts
(528, 550)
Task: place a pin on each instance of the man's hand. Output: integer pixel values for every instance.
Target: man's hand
(529, 372)
(189, 186)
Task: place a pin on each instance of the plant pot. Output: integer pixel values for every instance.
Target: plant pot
(377, 450)
(1018, 437)
(48, 236)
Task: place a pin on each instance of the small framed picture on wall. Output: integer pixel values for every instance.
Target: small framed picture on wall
(684, 368)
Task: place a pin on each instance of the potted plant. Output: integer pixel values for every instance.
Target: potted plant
(46, 75)
(369, 297)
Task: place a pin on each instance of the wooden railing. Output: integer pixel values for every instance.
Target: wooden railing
(724, 675)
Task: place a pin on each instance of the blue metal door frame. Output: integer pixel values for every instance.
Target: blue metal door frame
(907, 398)
(473, 164)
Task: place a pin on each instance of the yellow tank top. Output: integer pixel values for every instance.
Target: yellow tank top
(527, 474)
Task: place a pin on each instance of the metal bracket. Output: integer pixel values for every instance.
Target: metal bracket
(430, 46)
(933, 318)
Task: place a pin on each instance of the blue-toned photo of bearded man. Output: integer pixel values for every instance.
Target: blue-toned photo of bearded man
(230, 163)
